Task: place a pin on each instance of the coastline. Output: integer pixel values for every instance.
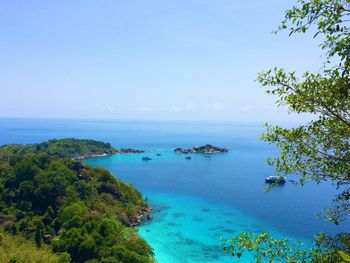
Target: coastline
(143, 213)
(92, 155)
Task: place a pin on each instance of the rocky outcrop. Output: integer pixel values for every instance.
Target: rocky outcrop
(92, 155)
(142, 214)
(130, 150)
(206, 149)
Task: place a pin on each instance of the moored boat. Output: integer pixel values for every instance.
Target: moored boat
(275, 179)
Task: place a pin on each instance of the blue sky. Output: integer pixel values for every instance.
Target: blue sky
(167, 60)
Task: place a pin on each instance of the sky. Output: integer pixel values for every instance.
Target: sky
(152, 60)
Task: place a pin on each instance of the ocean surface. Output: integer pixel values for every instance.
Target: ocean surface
(201, 201)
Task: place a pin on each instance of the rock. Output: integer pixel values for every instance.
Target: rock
(158, 154)
(143, 213)
(130, 150)
(181, 150)
(92, 155)
(206, 149)
(146, 158)
(188, 157)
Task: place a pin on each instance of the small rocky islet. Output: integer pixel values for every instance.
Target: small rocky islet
(130, 150)
(206, 149)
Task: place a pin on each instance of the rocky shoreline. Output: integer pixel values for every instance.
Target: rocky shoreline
(102, 154)
(142, 214)
(93, 155)
(206, 149)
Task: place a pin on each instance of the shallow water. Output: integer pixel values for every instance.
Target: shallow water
(197, 201)
(190, 229)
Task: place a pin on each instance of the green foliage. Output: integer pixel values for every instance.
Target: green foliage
(320, 149)
(38, 237)
(62, 148)
(72, 208)
(344, 256)
(266, 248)
(18, 249)
(330, 17)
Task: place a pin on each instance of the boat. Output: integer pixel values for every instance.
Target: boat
(146, 158)
(274, 179)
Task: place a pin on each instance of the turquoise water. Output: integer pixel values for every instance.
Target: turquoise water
(196, 202)
(190, 229)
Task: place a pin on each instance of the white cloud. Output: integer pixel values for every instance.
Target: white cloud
(145, 109)
(174, 109)
(190, 107)
(247, 107)
(217, 106)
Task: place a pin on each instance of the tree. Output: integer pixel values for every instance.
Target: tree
(264, 246)
(320, 149)
(38, 237)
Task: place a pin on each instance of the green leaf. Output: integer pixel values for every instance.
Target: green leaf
(344, 256)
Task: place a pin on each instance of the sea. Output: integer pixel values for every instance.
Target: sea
(198, 204)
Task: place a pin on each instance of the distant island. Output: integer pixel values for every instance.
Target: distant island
(80, 213)
(60, 148)
(130, 150)
(206, 149)
(76, 149)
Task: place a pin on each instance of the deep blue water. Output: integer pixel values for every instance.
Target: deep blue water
(196, 201)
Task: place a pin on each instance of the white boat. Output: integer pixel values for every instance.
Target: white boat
(275, 179)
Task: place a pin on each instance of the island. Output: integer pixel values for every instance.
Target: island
(206, 149)
(61, 148)
(68, 209)
(130, 150)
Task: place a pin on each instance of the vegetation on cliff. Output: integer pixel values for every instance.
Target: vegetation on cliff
(70, 207)
(18, 249)
(62, 148)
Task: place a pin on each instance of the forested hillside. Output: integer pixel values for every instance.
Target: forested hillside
(69, 207)
(62, 148)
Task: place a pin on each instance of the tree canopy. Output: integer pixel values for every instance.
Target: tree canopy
(320, 149)
(59, 148)
(81, 212)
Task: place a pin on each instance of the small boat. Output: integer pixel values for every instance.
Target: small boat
(146, 158)
(275, 179)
